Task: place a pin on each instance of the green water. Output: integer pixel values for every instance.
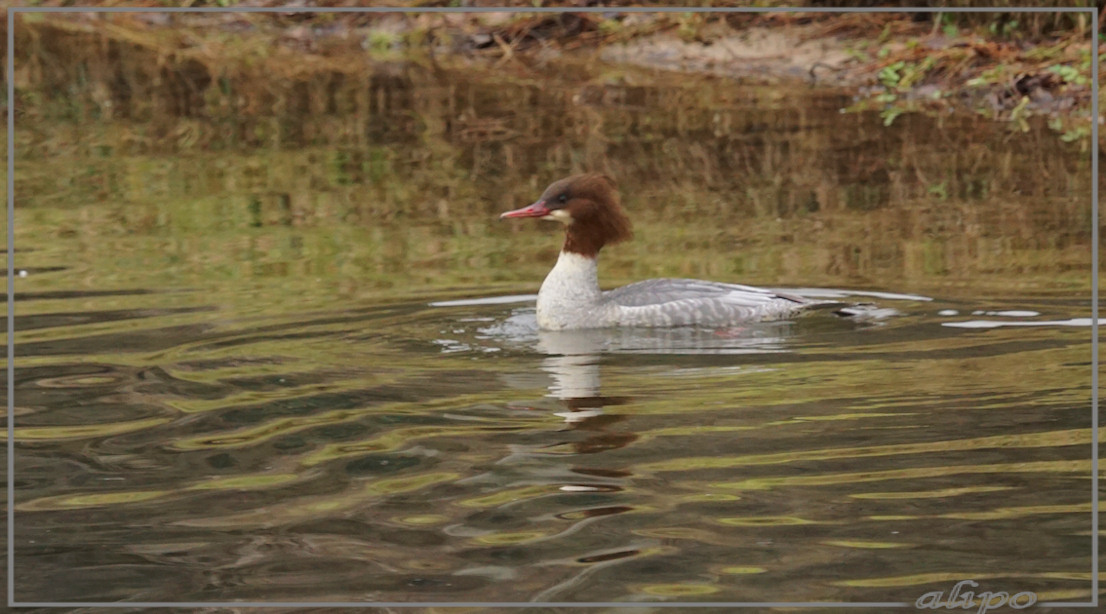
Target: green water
(258, 355)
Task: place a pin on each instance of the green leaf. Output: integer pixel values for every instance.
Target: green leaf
(889, 116)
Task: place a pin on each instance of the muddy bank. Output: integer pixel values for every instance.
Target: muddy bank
(759, 53)
(895, 63)
(936, 70)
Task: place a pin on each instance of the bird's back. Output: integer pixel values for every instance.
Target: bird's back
(693, 302)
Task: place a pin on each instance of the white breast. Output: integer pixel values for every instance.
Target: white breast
(570, 295)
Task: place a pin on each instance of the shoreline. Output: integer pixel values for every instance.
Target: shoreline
(887, 61)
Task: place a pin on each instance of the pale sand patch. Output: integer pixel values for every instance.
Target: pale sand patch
(762, 53)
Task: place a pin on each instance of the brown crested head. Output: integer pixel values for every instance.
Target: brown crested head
(591, 210)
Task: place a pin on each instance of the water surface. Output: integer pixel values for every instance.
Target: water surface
(278, 347)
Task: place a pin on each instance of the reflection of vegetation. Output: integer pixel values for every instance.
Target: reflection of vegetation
(387, 179)
(991, 61)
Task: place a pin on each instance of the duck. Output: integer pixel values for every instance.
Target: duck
(590, 208)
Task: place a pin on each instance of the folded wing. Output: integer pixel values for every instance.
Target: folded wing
(684, 302)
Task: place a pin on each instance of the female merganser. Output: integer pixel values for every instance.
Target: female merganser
(589, 207)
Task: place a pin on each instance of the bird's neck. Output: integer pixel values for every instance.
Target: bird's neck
(574, 275)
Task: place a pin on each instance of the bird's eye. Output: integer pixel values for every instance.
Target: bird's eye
(563, 198)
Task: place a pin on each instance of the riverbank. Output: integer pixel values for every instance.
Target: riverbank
(897, 63)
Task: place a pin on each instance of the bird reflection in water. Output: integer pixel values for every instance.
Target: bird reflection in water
(572, 362)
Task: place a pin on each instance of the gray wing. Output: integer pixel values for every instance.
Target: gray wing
(684, 302)
(657, 291)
